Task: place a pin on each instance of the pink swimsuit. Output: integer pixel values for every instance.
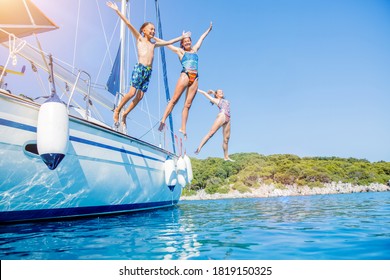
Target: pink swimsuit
(224, 107)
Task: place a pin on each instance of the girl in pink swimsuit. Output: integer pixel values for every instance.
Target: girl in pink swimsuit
(222, 120)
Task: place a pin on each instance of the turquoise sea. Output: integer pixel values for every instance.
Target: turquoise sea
(324, 227)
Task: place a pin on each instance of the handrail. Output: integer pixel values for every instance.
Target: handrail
(87, 99)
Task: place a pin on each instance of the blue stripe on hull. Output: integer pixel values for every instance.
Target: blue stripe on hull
(47, 214)
(76, 139)
(104, 146)
(17, 125)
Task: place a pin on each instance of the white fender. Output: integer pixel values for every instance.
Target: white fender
(181, 172)
(190, 175)
(52, 131)
(170, 173)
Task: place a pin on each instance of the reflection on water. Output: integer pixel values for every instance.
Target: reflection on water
(354, 226)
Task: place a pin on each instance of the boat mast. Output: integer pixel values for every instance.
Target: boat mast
(122, 51)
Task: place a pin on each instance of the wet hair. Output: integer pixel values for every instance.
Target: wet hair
(143, 26)
(181, 42)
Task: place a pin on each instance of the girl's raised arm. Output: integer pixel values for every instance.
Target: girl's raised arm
(178, 51)
(133, 30)
(212, 100)
(196, 47)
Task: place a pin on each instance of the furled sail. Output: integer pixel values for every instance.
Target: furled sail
(168, 97)
(113, 82)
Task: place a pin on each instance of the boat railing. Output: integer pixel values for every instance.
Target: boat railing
(86, 97)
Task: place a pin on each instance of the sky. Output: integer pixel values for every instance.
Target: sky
(304, 77)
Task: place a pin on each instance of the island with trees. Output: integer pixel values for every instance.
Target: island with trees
(256, 175)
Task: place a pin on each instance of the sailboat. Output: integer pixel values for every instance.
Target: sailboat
(58, 160)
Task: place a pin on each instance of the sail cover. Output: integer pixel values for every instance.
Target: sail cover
(22, 18)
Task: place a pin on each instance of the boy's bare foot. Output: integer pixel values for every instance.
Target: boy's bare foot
(116, 117)
(124, 116)
(196, 151)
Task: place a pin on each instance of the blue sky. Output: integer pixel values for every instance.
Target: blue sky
(304, 77)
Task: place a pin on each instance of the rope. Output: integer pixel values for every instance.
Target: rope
(107, 51)
(149, 130)
(145, 11)
(150, 119)
(104, 31)
(108, 43)
(29, 13)
(13, 50)
(35, 70)
(41, 52)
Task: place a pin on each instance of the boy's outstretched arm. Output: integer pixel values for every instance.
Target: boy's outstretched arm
(133, 30)
(161, 42)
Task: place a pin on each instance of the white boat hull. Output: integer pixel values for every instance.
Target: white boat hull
(103, 171)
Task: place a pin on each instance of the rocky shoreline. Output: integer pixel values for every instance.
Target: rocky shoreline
(272, 191)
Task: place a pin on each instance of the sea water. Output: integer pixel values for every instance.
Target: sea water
(331, 227)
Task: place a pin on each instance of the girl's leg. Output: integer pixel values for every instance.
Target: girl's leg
(124, 100)
(226, 137)
(217, 124)
(191, 92)
(134, 102)
(181, 85)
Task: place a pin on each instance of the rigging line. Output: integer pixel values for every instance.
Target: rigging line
(76, 35)
(132, 120)
(107, 52)
(134, 47)
(126, 61)
(154, 118)
(98, 86)
(29, 13)
(151, 129)
(104, 31)
(150, 119)
(132, 37)
(41, 52)
(43, 89)
(145, 11)
(97, 113)
(158, 83)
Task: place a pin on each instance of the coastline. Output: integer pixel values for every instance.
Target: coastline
(272, 191)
